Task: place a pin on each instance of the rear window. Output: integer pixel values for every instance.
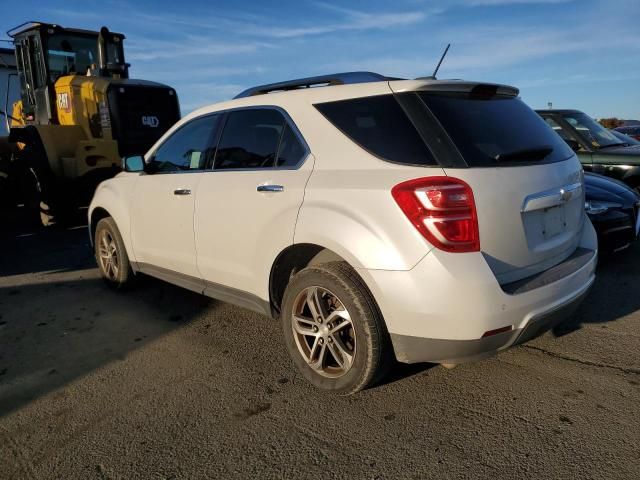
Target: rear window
(496, 131)
(379, 125)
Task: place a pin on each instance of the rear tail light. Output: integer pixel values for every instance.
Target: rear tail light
(443, 210)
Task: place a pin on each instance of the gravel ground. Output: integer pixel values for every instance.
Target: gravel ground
(163, 383)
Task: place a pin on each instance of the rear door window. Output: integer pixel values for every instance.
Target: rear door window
(493, 131)
(250, 139)
(379, 125)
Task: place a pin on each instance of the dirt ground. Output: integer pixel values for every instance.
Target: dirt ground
(162, 383)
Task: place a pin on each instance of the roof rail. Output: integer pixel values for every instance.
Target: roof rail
(322, 80)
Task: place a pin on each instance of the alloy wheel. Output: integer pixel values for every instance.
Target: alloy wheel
(323, 332)
(108, 255)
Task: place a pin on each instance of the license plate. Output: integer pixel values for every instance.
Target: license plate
(554, 222)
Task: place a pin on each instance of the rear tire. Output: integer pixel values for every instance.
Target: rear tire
(111, 255)
(346, 347)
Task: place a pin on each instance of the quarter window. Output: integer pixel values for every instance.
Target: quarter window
(250, 139)
(291, 150)
(189, 148)
(379, 125)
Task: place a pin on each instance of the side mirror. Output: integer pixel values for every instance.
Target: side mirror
(575, 146)
(133, 164)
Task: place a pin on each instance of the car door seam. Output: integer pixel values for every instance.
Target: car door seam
(304, 193)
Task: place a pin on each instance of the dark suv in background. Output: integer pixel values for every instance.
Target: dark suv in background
(599, 150)
(631, 130)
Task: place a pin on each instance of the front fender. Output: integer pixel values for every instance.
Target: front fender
(114, 196)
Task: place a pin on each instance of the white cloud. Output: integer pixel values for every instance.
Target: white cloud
(266, 27)
(144, 49)
(360, 22)
(489, 3)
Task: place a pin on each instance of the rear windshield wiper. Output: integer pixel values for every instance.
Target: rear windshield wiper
(536, 153)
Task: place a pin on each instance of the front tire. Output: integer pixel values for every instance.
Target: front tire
(333, 330)
(37, 207)
(111, 255)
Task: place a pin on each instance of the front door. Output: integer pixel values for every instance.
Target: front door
(164, 197)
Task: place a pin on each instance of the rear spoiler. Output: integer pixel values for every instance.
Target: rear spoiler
(452, 86)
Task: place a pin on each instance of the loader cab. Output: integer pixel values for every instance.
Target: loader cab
(47, 52)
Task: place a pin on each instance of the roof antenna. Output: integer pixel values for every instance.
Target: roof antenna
(444, 54)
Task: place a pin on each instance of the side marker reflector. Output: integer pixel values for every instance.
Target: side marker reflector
(490, 333)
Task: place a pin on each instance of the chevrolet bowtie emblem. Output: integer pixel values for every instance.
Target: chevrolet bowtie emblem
(564, 195)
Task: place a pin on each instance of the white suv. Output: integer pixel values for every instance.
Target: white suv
(430, 220)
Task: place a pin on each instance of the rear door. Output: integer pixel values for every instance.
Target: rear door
(247, 206)
(163, 201)
(527, 183)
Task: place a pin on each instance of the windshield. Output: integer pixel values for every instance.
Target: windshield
(75, 53)
(591, 131)
(71, 54)
(496, 130)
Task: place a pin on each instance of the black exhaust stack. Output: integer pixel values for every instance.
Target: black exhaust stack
(103, 60)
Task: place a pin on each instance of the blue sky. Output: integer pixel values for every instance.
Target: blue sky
(581, 54)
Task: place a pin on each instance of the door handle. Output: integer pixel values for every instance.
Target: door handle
(270, 188)
(182, 191)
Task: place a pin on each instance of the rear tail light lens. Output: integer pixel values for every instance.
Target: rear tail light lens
(443, 210)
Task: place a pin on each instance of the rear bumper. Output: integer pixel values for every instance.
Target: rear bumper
(442, 310)
(416, 349)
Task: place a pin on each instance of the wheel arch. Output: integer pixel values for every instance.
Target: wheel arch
(293, 259)
(110, 200)
(97, 214)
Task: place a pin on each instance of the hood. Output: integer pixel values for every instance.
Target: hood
(607, 189)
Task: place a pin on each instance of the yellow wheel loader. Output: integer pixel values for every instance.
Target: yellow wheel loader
(79, 113)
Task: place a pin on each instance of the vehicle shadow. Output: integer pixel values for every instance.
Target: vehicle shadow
(400, 371)
(59, 321)
(613, 295)
(54, 332)
(27, 248)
